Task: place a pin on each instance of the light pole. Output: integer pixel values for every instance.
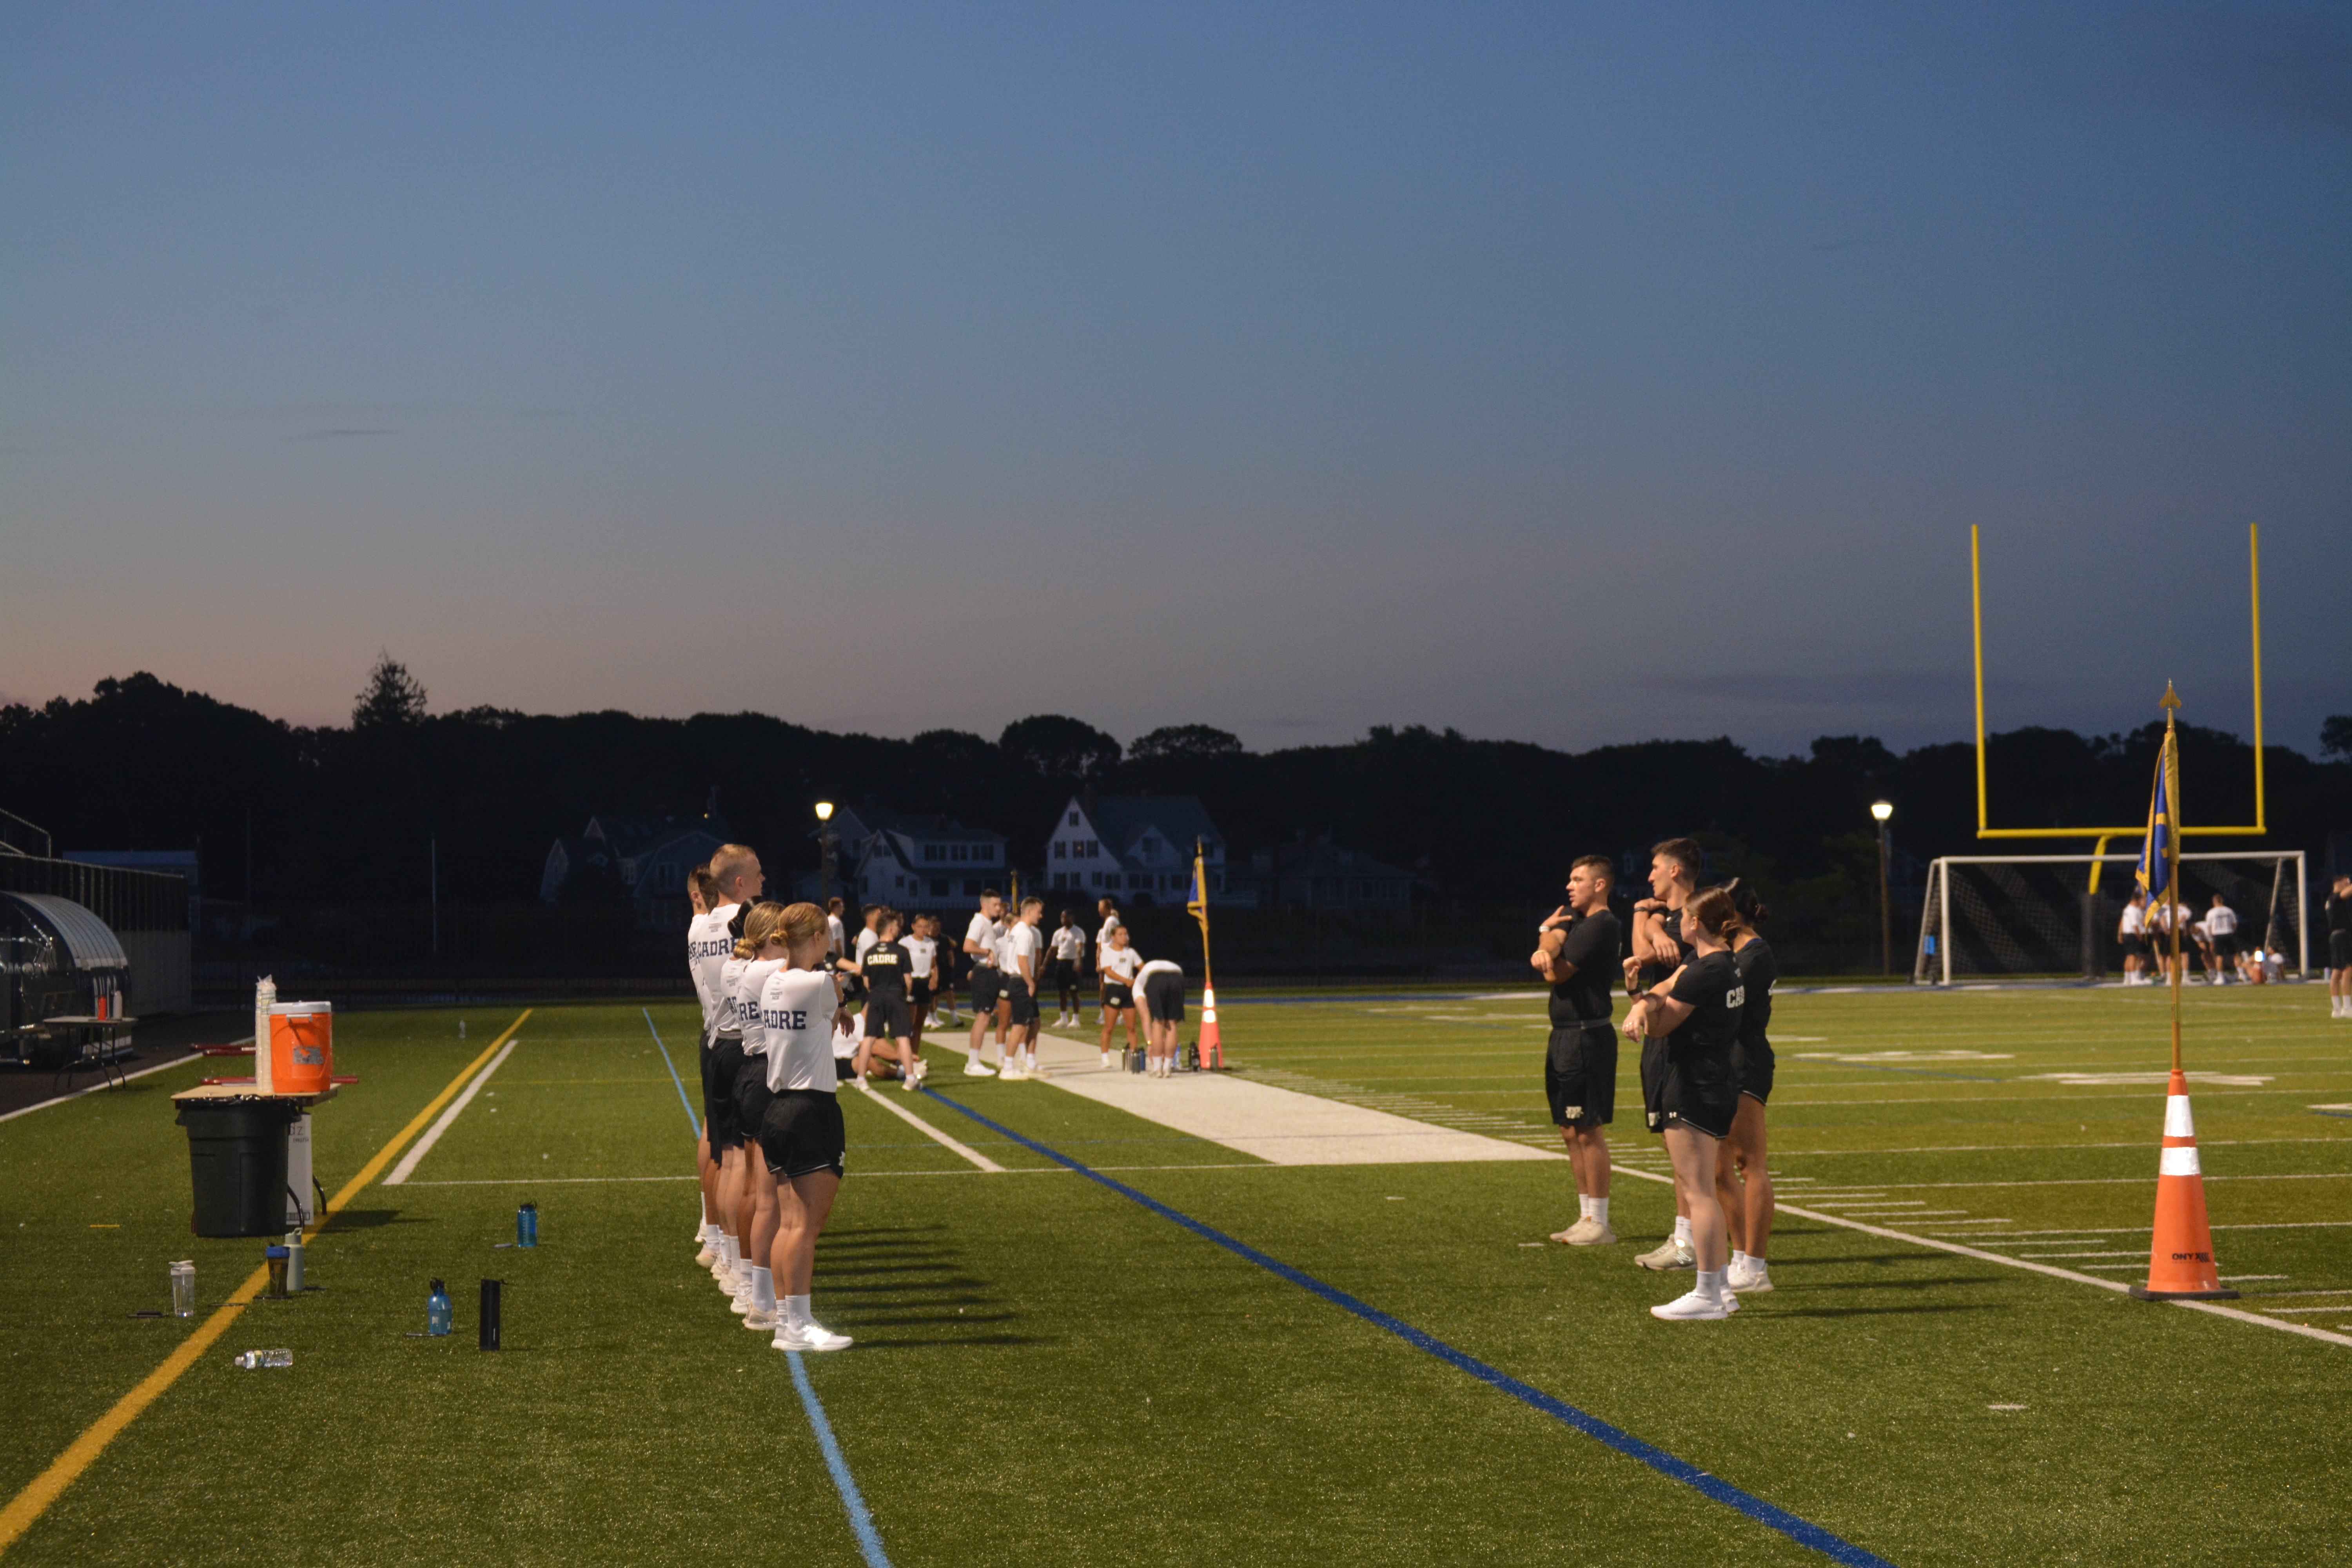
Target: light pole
(824, 851)
(1883, 809)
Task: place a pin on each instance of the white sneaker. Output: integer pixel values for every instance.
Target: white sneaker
(809, 1336)
(977, 1069)
(1749, 1277)
(862, 1085)
(741, 1302)
(1691, 1307)
(1730, 1301)
(764, 1319)
(1012, 1074)
(708, 1256)
(1106, 1060)
(1588, 1232)
(1673, 1254)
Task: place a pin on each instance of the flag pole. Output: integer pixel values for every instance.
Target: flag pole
(1212, 1042)
(2170, 764)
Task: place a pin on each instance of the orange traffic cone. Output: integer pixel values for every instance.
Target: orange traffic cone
(2181, 1256)
(1212, 1053)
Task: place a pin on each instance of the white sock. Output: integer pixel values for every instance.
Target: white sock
(707, 1232)
(1740, 1259)
(1757, 1267)
(764, 1288)
(1710, 1284)
(732, 1249)
(1583, 1206)
(1601, 1211)
(796, 1311)
(1681, 1229)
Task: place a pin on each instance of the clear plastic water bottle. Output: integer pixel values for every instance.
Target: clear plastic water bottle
(461, 1028)
(252, 1358)
(436, 1310)
(526, 1225)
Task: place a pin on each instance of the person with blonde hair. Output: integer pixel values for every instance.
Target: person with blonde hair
(801, 1135)
(1118, 964)
(710, 942)
(758, 955)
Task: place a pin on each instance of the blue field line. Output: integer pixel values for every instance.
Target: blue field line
(861, 1518)
(1802, 1531)
(691, 1120)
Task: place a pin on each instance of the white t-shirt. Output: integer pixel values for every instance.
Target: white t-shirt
(2275, 966)
(709, 945)
(982, 933)
(921, 953)
(1070, 943)
(751, 978)
(865, 939)
(1021, 942)
(796, 1007)
(2221, 920)
(1120, 963)
(833, 933)
(2134, 920)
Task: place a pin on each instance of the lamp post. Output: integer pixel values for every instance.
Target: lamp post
(825, 850)
(1881, 810)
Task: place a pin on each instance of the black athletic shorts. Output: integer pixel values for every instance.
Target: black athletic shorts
(888, 1018)
(751, 1094)
(919, 987)
(1751, 1069)
(1024, 1004)
(2226, 947)
(844, 1069)
(986, 981)
(719, 1098)
(802, 1133)
(1164, 993)
(2134, 946)
(1580, 1075)
(1117, 998)
(1698, 1091)
(2339, 950)
(702, 1079)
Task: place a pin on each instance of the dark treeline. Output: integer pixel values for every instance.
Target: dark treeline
(343, 815)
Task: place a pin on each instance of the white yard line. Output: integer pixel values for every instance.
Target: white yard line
(424, 1146)
(2214, 1307)
(547, 1181)
(124, 1077)
(881, 1096)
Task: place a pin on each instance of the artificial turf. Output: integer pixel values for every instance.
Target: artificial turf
(1047, 1371)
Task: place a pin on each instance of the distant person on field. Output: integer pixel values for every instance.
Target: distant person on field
(835, 934)
(980, 940)
(1657, 946)
(2339, 947)
(1021, 961)
(1118, 963)
(890, 1014)
(2220, 942)
(922, 968)
(1108, 907)
(1069, 956)
(1579, 951)
(2131, 935)
(1160, 987)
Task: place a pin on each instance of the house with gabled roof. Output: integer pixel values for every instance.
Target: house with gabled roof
(648, 857)
(1133, 846)
(912, 861)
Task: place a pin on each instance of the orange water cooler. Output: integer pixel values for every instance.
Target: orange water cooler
(293, 1044)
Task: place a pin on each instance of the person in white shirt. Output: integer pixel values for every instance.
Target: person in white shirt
(1118, 963)
(702, 896)
(1108, 910)
(2131, 935)
(980, 946)
(870, 934)
(1159, 987)
(833, 932)
(801, 1137)
(2220, 925)
(922, 962)
(1019, 960)
(710, 942)
(1069, 952)
(759, 954)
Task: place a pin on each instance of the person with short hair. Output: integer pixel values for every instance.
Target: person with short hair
(1159, 988)
(2338, 910)
(889, 1026)
(1690, 1092)
(801, 1135)
(980, 946)
(922, 966)
(1108, 907)
(710, 944)
(1018, 961)
(1578, 950)
(2221, 943)
(1743, 1178)
(1657, 952)
(1118, 963)
(2131, 936)
(759, 954)
(1069, 954)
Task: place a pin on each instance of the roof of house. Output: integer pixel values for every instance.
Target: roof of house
(633, 836)
(936, 827)
(1121, 819)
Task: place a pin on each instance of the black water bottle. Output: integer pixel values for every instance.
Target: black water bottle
(489, 1314)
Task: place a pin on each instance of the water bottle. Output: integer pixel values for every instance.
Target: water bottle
(436, 1310)
(526, 1225)
(252, 1358)
(276, 1258)
(184, 1289)
(461, 1028)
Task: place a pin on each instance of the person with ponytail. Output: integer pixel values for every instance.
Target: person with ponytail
(801, 1134)
(758, 954)
(1743, 1182)
(1689, 1024)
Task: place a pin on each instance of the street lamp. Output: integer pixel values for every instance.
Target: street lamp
(1881, 810)
(824, 849)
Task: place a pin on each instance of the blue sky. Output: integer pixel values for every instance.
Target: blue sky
(1573, 374)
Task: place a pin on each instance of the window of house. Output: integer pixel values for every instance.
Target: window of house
(939, 886)
(1061, 852)
(1074, 819)
(665, 878)
(956, 853)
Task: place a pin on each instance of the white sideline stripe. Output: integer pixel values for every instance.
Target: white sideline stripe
(546, 1181)
(2215, 1308)
(93, 1089)
(424, 1145)
(882, 1098)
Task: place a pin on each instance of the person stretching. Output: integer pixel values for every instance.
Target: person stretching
(1159, 986)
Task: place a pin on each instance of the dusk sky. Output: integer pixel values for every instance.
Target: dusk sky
(1564, 373)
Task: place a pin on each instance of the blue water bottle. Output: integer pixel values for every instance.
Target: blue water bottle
(526, 1225)
(436, 1310)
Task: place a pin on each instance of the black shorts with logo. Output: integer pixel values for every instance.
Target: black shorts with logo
(1164, 993)
(1117, 998)
(1024, 1004)
(1697, 1090)
(719, 1092)
(889, 1018)
(1580, 1075)
(802, 1133)
(987, 980)
(751, 1094)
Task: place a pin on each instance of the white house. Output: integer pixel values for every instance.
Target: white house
(1136, 846)
(910, 862)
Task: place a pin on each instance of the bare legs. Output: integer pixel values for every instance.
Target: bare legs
(1111, 1021)
(1694, 1155)
(1743, 1184)
(1588, 1158)
(802, 1205)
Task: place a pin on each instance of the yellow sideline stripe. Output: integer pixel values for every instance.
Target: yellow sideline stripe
(34, 1500)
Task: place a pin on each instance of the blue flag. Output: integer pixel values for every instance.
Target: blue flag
(2155, 873)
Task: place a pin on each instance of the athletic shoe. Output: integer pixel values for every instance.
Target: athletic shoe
(1106, 1060)
(809, 1336)
(1691, 1307)
(864, 1086)
(740, 1304)
(977, 1069)
(1749, 1278)
(1670, 1256)
(1588, 1232)
(765, 1319)
(1012, 1074)
(1730, 1301)
(708, 1256)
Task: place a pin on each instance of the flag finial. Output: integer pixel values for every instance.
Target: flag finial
(2171, 698)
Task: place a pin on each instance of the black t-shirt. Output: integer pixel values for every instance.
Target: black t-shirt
(1596, 945)
(885, 965)
(2339, 912)
(1711, 985)
(1655, 973)
(1758, 970)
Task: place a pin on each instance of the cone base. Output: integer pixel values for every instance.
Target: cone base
(2144, 1294)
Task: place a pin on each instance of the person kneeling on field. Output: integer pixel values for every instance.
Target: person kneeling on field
(801, 1135)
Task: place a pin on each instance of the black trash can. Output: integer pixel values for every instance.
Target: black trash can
(236, 1153)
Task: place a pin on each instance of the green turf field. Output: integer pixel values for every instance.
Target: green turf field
(1048, 1371)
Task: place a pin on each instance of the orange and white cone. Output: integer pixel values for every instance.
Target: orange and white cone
(1212, 1053)
(2181, 1255)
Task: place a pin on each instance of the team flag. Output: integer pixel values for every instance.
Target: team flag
(1197, 902)
(1212, 1044)
(2155, 873)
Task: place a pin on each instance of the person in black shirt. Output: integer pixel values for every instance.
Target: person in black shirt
(2339, 948)
(1743, 1182)
(890, 1016)
(1657, 952)
(1578, 950)
(1688, 1092)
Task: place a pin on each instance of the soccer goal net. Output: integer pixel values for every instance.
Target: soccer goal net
(1988, 915)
